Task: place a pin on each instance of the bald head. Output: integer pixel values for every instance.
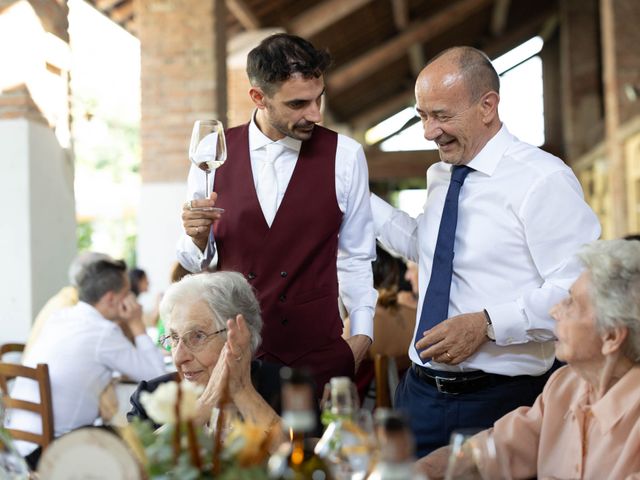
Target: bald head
(472, 65)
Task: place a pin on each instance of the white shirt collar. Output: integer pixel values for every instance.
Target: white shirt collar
(486, 161)
(258, 140)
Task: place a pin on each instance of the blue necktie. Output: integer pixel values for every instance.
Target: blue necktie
(435, 305)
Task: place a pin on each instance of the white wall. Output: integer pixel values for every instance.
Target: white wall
(159, 226)
(37, 230)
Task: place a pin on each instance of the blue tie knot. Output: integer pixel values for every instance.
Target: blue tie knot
(459, 173)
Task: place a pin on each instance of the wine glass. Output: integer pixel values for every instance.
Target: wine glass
(208, 148)
(475, 457)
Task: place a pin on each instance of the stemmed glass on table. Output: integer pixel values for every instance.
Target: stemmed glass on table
(475, 457)
(207, 151)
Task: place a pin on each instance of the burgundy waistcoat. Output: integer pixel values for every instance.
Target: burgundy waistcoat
(292, 265)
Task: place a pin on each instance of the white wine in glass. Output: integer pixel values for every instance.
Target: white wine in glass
(208, 148)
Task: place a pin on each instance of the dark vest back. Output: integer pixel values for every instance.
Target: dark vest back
(292, 265)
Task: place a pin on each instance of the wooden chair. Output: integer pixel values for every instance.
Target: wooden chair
(44, 407)
(10, 348)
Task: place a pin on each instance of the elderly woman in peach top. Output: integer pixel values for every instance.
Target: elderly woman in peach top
(586, 422)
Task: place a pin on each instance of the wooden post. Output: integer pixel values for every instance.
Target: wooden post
(615, 154)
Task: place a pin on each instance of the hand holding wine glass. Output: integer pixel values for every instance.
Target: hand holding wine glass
(207, 150)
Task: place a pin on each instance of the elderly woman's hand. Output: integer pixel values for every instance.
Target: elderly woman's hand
(238, 355)
(213, 393)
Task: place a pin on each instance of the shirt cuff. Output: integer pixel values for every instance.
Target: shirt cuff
(361, 321)
(508, 324)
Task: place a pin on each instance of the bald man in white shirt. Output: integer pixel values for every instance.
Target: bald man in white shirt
(485, 345)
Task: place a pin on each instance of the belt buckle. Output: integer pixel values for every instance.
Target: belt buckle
(441, 385)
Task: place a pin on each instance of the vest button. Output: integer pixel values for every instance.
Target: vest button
(283, 274)
(283, 298)
(284, 321)
(251, 275)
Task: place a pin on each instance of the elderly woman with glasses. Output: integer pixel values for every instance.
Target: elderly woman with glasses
(213, 328)
(586, 422)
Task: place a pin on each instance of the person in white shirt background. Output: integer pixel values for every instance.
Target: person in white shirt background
(521, 217)
(311, 241)
(83, 347)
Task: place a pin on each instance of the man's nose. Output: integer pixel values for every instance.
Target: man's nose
(432, 129)
(313, 114)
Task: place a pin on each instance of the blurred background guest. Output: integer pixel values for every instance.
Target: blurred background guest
(213, 327)
(83, 346)
(586, 422)
(66, 297)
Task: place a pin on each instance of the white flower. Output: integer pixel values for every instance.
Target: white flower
(160, 404)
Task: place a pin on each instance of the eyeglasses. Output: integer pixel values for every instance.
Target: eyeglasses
(194, 340)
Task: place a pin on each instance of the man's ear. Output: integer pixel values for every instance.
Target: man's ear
(257, 97)
(613, 339)
(489, 106)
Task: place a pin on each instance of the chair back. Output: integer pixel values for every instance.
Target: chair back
(6, 348)
(44, 407)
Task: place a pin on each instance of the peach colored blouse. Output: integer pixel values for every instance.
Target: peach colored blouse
(566, 436)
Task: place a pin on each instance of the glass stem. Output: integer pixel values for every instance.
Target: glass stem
(206, 185)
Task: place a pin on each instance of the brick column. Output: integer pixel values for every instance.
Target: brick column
(36, 169)
(183, 79)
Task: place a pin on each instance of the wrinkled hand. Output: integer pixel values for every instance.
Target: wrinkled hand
(455, 339)
(197, 223)
(359, 345)
(238, 355)
(213, 392)
(434, 465)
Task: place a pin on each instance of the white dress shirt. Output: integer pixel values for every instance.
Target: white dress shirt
(521, 219)
(82, 349)
(356, 242)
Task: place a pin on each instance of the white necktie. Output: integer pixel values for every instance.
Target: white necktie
(267, 188)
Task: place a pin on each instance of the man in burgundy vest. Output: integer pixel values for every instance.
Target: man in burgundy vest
(297, 220)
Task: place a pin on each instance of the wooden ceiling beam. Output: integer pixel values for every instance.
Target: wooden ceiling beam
(368, 118)
(122, 13)
(379, 57)
(399, 165)
(400, 10)
(106, 5)
(322, 15)
(499, 17)
(243, 14)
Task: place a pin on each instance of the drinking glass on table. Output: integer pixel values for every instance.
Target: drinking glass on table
(207, 150)
(475, 457)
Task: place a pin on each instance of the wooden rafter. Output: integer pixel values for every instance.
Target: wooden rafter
(400, 10)
(499, 17)
(322, 15)
(122, 12)
(384, 166)
(381, 56)
(243, 14)
(106, 5)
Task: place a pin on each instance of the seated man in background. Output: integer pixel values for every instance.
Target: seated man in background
(83, 346)
(66, 297)
(586, 422)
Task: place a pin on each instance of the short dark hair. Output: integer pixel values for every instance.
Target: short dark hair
(280, 56)
(101, 277)
(476, 67)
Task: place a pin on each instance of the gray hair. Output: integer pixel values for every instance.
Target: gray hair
(614, 268)
(80, 262)
(98, 278)
(226, 293)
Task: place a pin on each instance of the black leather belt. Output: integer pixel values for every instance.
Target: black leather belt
(454, 383)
